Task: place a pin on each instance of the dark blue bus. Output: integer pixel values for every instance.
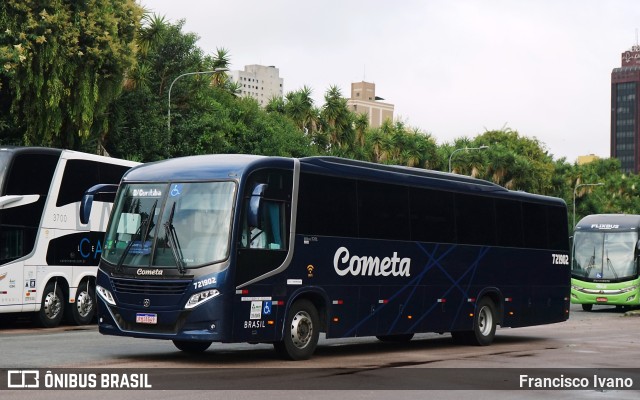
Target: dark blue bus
(240, 248)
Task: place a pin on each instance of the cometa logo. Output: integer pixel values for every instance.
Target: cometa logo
(355, 265)
(149, 272)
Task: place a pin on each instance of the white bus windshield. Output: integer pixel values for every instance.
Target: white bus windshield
(604, 255)
(193, 230)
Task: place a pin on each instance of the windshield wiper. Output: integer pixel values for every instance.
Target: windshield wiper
(591, 264)
(172, 238)
(142, 232)
(610, 265)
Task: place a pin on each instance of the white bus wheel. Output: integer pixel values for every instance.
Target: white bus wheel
(52, 306)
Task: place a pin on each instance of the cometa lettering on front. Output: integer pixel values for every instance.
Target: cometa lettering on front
(344, 264)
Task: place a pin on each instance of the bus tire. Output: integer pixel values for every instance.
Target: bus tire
(400, 338)
(301, 332)
(191, 346)
(83, 310)
(587, 307)
(484, 325)
(51, 307)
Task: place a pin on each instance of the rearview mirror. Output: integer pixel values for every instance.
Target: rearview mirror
(255, 205)
(87, 200)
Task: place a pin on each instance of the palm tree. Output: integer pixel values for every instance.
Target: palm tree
(376, 141)
(232, 87)
(154, 26)
(276, 104)
(299, 107)
(336, 118)
(360, 124)
(150, 34)
(221, 62)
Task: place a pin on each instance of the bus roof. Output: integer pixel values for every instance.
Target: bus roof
(65, 154)
(599, 222)
(30, 150)
(363, 169)
(416, 177)
(234, 166)
(202, 167)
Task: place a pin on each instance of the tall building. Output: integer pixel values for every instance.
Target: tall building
(625, 111)
(258, 81)
(364, 101)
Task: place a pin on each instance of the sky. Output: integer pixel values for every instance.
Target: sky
(452, 68)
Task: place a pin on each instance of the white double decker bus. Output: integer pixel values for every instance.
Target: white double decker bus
(48, 258)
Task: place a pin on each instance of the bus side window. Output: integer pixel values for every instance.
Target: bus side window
(269, 235)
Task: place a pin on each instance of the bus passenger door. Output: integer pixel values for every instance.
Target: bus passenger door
(262, 248)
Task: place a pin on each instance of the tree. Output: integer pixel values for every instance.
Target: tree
(220, 64)
(65, 62)
(336, 120)
(513, 161)
(206, 116)
(138, 118)
(300, 108)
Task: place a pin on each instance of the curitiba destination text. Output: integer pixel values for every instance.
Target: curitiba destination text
(566, 382)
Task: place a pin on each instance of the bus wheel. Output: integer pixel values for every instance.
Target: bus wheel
(587, 307)
(191, 347)
(301, 332)
(402, 338)
(484, 325)
(82, 311)
(52, 307)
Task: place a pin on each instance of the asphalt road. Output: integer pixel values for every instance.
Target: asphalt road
(589, 343)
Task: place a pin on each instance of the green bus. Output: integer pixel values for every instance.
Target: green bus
(605, 261)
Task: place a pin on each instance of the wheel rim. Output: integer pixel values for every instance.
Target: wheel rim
(485, 321)
(84, 304)
(301, 329)
(52, 305)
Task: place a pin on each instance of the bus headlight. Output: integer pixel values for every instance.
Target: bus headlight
(199, 298)
(629, 289)
(105, 295)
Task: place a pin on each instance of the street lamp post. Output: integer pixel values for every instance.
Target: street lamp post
(464, 148)
(171, 86)
(575, 189)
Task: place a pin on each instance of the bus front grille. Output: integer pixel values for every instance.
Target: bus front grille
(149, 287)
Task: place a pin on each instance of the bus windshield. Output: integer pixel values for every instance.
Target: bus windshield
(604, 255)
(177, 225)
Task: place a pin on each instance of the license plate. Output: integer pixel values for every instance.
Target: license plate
(146, 318)
(602, 300)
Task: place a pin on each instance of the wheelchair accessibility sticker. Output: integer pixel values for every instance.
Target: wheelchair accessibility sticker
(266, 310)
